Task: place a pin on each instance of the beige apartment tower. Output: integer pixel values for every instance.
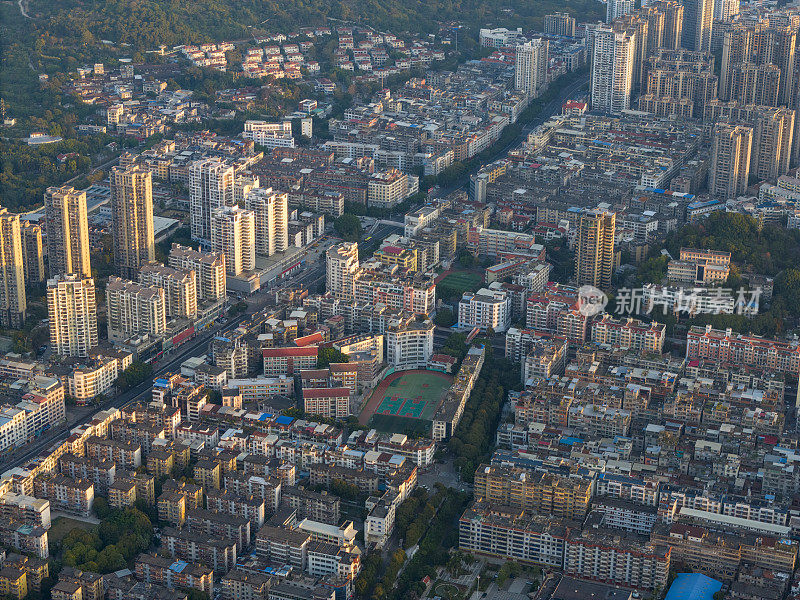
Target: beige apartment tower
(341, 268)
(594, 248)
(673, 23)
(731, 146)
(209, 268)
(132, 220)
(530, 67)
(233, 232)
(72, 310)
(211, 186)
(559, 24)
(180, 289)
(134, 309)
(13, 303)
(612, 70)
(67, 231)
(271, 210)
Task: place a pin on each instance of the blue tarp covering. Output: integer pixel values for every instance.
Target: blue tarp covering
(693, 586)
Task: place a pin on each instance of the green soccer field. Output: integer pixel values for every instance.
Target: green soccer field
(462, 281)
(412, 395)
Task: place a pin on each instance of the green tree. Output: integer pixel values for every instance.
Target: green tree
(326, 356)
(348, 227)
(445, 318)
(135, 374)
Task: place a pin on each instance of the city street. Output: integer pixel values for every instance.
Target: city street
(171, 363)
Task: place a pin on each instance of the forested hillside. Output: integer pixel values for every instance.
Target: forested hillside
(146, 23)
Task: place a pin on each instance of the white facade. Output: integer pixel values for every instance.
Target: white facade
(132, 219)
(134, 309)
(271, 210)
(209, 269)
(409, 344)
(530, 67)
(618, 8)
(72, 310)
(612, 70)
(86, 383)
(233, 232)
(270, 135)
(341, 268)
(180, 289)
(210, 187)
(485, 308)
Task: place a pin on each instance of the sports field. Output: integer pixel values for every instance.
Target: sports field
(408, 394)
(458, 282)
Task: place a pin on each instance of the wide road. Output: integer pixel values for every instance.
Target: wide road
(171, 363)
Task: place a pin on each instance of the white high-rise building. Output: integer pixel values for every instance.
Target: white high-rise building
(13, 302)
(612, 70)
(67, 229)
(210, 187)
(409, 343)
(72, 310)
(485, 309)
(134, 309)
(233, 232)
(530, 68)
(618, 8)
(271, 209)
(209, 268)
(341, 268)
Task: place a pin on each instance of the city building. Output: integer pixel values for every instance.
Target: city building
(341, 269)
(134, 309)
(209, 269)
(700, 267)
(536, 492)
(562, 24)
(331, 403)
(629, 333)
(13, 302)
(485, 309)
(612, 70)
(33, 253)
(530, 66)
(132, 219)
(72, 310)
(409, 343)
(594, 248)
(618, 8)
(511, 534)
(607, 555)
(210, 187)
(180, 289)
(271, 210)
(729, 172)
(288, 361)
(388, 188)
(233, 233)
(67, 229)
(729, 348)
(698, 19)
